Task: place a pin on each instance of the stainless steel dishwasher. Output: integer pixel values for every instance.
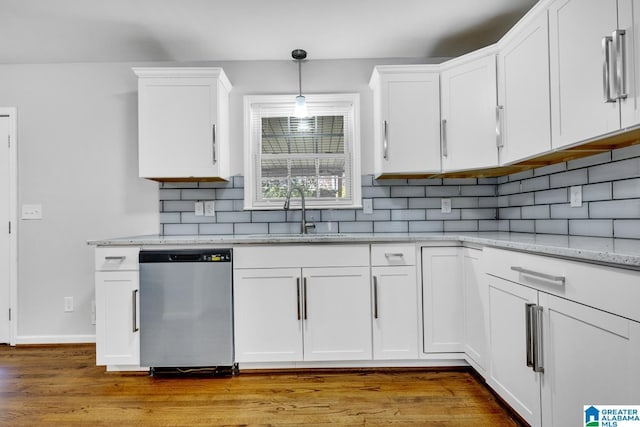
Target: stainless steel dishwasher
(186, 312)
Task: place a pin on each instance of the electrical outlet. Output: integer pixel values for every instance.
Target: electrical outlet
(575, 196)
(209, 208)
(445, 205)
(68, 304)
(198, 208)
(367, 206)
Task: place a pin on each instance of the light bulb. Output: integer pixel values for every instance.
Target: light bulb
(300, 110)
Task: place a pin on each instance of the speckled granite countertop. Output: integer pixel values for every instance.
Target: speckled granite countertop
(622, 252)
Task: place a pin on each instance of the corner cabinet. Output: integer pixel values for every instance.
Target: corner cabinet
(468, 112)
(406, 111)
(442, 293)
(183, 123)
(523, 112)
(594, 54)
(117, 300)
(557, 340)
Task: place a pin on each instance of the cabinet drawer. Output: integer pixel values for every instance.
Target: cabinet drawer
(116, 258)
(393, 254)
(611, 289)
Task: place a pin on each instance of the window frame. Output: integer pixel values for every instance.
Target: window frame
(314, 101)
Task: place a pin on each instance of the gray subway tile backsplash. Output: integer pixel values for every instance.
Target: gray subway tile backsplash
(530, 201)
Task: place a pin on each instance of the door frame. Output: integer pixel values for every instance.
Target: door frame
(11, 112)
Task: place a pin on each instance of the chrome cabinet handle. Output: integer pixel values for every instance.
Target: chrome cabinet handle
(375, 297)
(537, 339)
(499, 141)
(213, 143)
(529, 344)
(304, 281)
(606, 67)
(115, 258)
(443, 137)
(134, 311)
(560, 279)
(298, 296)
(393, 254)
(385, 140)
(619, 59)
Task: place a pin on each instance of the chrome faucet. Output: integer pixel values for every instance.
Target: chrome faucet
(304, 225)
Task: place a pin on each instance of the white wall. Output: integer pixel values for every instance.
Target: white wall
(77, 156)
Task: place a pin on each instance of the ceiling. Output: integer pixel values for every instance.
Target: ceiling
(53, 31)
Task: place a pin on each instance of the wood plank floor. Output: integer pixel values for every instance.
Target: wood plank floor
(60, 385)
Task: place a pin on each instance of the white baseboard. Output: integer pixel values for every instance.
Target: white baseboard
(54, 339)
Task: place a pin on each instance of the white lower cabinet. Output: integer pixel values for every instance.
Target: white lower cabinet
(117, 301)
(474, 291)
(294, 314)
(551, 355)
(442, 295)
(336, 313)
(117, 335)
(268, 315)
(590, 357)
(509, 374)
(395, 302)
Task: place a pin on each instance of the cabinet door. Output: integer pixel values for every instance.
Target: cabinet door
(443, 314)
(395, 312)
(590, 357)
(509, 375)
(469, 115)
(180, 134)
(576, 30)
(117, 320)
(267, 315)
(629, 21)
(523, 93)
(475, 309)
(407, 132)
(337, 314)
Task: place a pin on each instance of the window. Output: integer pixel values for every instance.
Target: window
(319, 153)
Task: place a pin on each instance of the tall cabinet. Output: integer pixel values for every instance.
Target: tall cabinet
(406, 116)
(594, 53)
(183, 123)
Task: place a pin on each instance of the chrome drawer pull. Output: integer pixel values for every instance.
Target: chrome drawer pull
(115, 258)
(393, 254)
(560, 279)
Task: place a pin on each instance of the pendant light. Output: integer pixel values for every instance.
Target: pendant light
(300, 109)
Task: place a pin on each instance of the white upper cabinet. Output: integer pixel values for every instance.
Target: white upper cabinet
(523, 114)
(406, 119)
(588, 83)
(183, 123)
(629, 22)
(468, 111)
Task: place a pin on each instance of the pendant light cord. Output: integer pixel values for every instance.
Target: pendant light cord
(299, 77)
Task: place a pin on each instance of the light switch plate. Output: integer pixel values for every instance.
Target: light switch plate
(575, 196)
(199, 209)
(31, 211)
(367, 206)
(209, 208)
(445, 205)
